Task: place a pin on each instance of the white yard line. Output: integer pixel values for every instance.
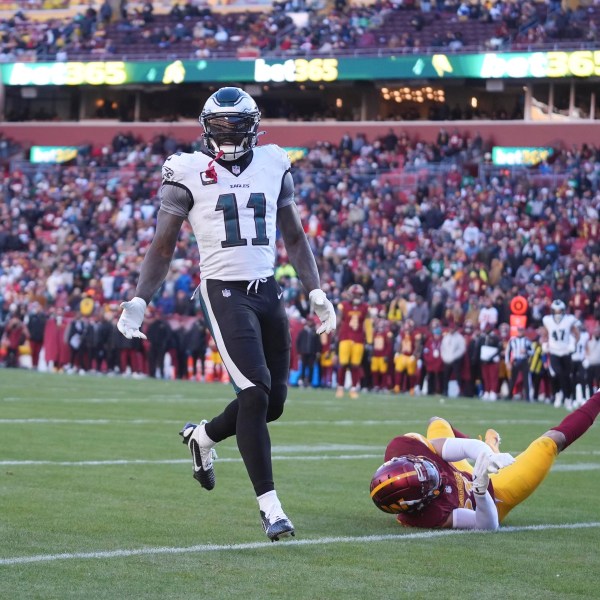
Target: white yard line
(102, 463)
(281, 546)
(282, 423)
(166, 399)
(42, 421)
(174, 461)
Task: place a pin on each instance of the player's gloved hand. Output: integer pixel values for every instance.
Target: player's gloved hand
(132, 317)
(323, 308)
(499, 461)
(481, 477)
(488, 462)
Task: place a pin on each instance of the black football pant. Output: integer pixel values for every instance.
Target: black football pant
(522, 367)
(562, 379)
(251, 330)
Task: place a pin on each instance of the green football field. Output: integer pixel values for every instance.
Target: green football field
(97, 501)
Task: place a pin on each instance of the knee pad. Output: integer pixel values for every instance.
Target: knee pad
(253, 399)
(277, 399)
(261, 378)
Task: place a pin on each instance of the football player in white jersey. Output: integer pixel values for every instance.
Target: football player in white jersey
(562, 335)
(235, 196)
(580, 364)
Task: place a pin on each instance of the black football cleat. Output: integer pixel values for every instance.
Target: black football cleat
(203, 457)
(279, 527)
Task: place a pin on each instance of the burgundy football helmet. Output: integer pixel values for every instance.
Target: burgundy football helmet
(356, 293)
(405, 484)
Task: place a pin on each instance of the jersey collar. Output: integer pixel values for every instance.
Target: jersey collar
(235, 167)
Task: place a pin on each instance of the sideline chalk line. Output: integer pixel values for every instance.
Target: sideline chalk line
(202, 548)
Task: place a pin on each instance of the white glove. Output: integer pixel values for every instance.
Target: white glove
(131, 318)
(499, 461)
(322, 307)
(481, 477)
(487, 462)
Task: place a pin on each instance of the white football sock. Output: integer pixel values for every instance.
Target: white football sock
(202, 438)
(270, 505)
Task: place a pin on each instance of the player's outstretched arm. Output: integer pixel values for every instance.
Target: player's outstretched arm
(456, 449)
(155, 267)
(303, 260)
(158, 258)
(297, 247)
(485, 515)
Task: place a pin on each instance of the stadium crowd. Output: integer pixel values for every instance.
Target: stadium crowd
(438, 241)
(192, 30)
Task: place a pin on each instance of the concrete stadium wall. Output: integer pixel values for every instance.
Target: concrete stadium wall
(512, 133)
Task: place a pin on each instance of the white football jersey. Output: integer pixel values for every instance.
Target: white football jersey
(560, 340)
(234, 217)
(580, 346)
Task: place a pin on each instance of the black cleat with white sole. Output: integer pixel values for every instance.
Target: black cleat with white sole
(278, 527)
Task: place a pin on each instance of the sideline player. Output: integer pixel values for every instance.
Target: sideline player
(562, 337)
(235, 196)
(351, 345)
(428, 482)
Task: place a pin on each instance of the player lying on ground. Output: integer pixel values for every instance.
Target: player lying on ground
(429, 482)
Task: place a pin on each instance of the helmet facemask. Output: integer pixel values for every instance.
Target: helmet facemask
(234, 134)
(558, 310)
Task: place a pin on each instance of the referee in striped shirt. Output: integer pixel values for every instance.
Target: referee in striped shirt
(518, 352)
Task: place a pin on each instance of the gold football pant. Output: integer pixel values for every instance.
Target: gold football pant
(515, 483)
(350, 353)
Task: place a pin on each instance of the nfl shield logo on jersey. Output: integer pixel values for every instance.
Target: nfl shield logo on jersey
(226, 293)
(235, 169)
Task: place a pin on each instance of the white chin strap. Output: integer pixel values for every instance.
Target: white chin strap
(232, 152)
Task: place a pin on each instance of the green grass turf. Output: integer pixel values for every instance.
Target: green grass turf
(51, 509)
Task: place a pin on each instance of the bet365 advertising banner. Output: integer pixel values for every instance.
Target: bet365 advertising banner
(525, 65)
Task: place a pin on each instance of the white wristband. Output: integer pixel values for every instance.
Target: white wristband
(137, 300)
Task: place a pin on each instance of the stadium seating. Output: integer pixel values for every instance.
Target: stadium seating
(377, 29)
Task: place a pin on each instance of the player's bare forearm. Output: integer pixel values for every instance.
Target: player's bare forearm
(158, 258)
(154, 270)
(297, 247)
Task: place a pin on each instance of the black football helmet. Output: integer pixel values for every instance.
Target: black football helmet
(230, 120)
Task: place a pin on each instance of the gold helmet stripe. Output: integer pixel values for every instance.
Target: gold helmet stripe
(391, 480)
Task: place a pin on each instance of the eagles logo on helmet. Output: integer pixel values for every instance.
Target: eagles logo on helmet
(405, 484)
(230, 120)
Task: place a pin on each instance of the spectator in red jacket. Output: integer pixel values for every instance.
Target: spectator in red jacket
(432, 358)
